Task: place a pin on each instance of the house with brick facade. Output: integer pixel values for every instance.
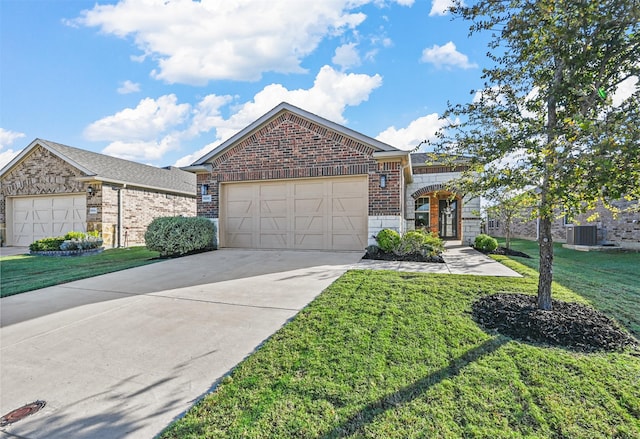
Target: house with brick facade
(294, 180)
(50, 189)
(602, 226)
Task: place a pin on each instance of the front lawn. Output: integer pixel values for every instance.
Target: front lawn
(384, 354)
(25, 273)
(609, 281)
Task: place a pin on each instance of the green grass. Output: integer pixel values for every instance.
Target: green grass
(609, 281)
(25, 273)
(396, 355)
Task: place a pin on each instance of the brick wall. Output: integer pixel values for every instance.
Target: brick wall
(139, 208)
(292, 147)
(622, 229)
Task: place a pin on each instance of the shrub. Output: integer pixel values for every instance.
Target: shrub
(411, 242)
(70, 241)
(388, 240)
(46, 244)
(173, 236)
(87, 242)
(433, 244)
(485, 243)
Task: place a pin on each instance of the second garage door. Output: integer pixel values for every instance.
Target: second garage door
(313, 214)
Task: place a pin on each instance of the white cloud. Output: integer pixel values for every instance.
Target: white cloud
(624, 91)
(194, 42)
(441, 7)
(331, 93)
(347, 56)
(446, 56)
(7, 137)
(156, 126)
(127, 87)
(423, 128)
(150, 118)
(143, 150)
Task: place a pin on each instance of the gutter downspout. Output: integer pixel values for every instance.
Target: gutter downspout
(120, 214)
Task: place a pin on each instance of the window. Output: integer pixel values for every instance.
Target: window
(422, 212)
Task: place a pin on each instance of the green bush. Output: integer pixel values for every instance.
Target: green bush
(433, 244)
(388, 240)
(46, 244)
(174, 236)
(75, 235)
(70, 241)
(413, 241)
(419, 241)
(485, 243)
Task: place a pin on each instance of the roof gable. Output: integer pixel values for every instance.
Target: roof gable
(303, 115)
(109, 169)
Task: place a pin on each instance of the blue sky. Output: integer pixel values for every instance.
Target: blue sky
(163, 81)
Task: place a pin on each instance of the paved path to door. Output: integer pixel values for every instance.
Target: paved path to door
(458, 258)
(123, 354)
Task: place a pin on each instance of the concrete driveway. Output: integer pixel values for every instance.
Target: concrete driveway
(124, 354)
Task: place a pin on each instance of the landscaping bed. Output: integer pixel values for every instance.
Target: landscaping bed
(378, 254)
(570, 325)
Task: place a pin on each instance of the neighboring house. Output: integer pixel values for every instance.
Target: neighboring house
(621, 230)
(294, 180)
(50, 189)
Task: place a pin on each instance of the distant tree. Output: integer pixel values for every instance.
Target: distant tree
(559, 111)
(508, 207)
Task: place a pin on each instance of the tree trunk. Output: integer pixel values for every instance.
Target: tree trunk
(545, 241)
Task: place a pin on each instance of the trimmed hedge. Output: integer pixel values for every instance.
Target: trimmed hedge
(176, 235)
(485, 243)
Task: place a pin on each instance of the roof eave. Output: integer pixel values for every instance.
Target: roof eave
(26, 151)
(97, 178)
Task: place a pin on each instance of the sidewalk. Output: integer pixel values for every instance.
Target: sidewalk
(459, 259)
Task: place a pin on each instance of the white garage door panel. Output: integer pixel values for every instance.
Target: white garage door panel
(315, 214)
(42, 217)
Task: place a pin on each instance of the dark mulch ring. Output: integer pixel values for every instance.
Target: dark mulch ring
(506, 252)
(380, 255)
(570, 325)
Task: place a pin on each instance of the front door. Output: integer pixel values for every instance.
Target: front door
(448, 219)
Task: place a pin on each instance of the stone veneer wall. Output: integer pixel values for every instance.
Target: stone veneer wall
(40, 173)
(292, 147)
(468, 208)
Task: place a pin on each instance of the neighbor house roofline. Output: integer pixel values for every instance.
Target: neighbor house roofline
(284, 106)
(107, 169)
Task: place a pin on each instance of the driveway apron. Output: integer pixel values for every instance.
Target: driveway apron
(124, 354)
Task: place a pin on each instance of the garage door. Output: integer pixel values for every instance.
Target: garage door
(42, 217)
(314, 214)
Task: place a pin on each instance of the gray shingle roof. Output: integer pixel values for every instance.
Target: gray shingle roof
(112, 169)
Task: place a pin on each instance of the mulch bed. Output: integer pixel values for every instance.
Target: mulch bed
(570, 325)
(380, 255)
(510, 252)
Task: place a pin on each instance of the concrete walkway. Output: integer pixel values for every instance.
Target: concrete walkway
(459, 259)
(123, 354)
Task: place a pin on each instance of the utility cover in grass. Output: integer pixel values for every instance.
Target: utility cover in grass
(569, 325)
